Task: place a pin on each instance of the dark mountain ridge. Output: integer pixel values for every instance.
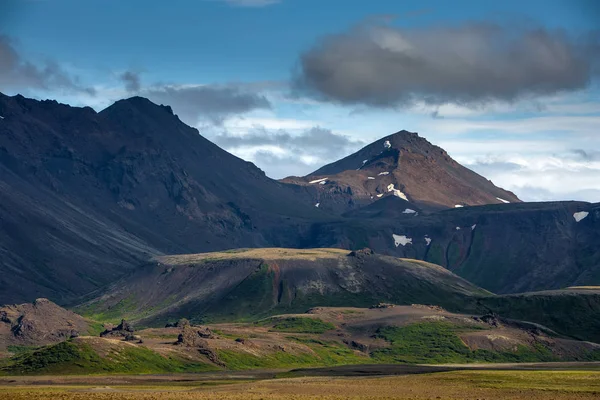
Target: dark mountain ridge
(87, 197)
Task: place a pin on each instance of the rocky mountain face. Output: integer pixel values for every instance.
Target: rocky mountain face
(86, 196)
(404, 165)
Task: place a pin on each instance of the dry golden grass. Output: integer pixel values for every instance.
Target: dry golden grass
(261, 254)
(530, 385)
(584, 287)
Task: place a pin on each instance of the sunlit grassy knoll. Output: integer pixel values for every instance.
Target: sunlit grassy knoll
(275, 253)
(584, 288)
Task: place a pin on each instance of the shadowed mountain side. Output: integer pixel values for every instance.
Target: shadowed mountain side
(504, 248)
(87, 196)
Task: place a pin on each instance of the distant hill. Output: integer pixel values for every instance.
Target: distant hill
(251, 283)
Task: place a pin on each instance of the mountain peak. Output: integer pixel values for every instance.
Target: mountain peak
(137, 104)
(408, 166)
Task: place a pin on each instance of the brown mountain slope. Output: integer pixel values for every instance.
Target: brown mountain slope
(405, 165)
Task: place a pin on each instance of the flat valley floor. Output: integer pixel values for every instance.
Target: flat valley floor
(463, 384)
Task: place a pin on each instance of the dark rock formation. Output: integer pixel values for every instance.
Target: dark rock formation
(123, 330)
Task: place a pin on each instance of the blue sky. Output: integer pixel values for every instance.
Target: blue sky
(249, 75)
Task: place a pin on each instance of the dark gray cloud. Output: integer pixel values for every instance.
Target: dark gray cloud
(131, 80)
(295, 154)
(470, 64)
(17, 73)
(212, 102)
(587, 155)
(192, 103)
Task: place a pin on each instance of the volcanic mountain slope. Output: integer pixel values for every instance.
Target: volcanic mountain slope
(403, 165)
(86, 196)
(252, 283)
(504, 248)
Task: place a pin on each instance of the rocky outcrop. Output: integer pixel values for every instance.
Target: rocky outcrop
(383, 305)
(123, 330)
(195, 337)
(361, 253)
(179, 324)
(191, 336)
(491, 319)
(39, 323)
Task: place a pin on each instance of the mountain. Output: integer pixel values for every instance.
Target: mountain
(403, 165)
(250, 283)
(504, 248)
(85, 196)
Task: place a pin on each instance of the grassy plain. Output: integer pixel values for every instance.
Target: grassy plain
(471, 384)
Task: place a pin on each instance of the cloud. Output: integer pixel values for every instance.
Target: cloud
(20, 74)
(472, 65)
(131, 80)
(542, 177)
(281, 153)
(214, 103)
(587, 155)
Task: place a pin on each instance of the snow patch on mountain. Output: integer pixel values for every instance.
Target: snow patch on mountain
(502, 200)
(321, 181)
(580, 215)
(396, 192)
(401, 240)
